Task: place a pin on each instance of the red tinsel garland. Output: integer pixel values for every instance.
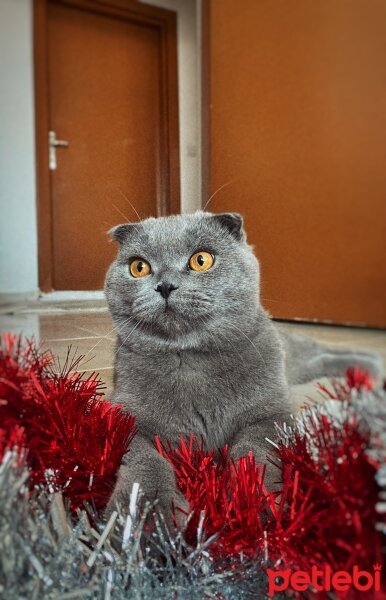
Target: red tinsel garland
(233, 496)
(324, 515)
(74, 437)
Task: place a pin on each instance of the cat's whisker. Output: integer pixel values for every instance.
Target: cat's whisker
(94, 333)
(218, 190)
(103, 338)
(130, 334)
(249, 340)
(128, 201)
(268, 299)
(127, 220)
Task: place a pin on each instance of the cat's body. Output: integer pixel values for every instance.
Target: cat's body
(196, 391)
(196, 352)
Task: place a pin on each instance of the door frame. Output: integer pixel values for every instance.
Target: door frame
(165, 22)
(205, 103)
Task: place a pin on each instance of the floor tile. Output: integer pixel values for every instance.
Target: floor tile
(75, 326)
(97, 352)
(27, 325)
(106, 375)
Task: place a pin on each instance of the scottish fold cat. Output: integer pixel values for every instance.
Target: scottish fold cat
(196, 351)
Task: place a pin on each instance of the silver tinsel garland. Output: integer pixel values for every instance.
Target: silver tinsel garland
(371, 405)
(46, 553)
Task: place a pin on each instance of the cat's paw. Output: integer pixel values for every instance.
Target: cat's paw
(181, 511)
(175, 511)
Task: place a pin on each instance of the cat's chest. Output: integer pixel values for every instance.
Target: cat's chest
(186, 392)
(188, 379)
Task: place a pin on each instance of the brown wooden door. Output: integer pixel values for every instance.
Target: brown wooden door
(297, 124)
(106, 93)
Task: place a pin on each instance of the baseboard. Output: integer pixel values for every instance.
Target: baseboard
(55, 302)
(66, 296)
(18, 297)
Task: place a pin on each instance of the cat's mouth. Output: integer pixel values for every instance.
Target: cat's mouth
(172, 315)
(167, 307)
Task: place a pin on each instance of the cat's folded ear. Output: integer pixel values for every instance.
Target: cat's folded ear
(233, 223)
(121, 233)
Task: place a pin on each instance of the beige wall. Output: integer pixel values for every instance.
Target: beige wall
(189, 81)
(18, 236)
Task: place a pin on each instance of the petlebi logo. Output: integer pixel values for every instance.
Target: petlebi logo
(324, 580)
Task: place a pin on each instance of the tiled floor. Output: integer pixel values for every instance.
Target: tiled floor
(91, 334)
(86, 333)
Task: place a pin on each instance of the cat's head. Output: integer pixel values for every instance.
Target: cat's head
(181, 280)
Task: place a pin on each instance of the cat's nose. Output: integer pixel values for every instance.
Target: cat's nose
(165, 289)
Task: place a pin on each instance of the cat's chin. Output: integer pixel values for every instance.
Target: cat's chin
(171, 331)
(171, 325)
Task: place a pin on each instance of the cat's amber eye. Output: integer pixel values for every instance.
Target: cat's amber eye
(139, 267)
(201, 261)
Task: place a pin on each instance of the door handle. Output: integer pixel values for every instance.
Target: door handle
(54, 143)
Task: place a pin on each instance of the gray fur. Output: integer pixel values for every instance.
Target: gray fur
(208, 359)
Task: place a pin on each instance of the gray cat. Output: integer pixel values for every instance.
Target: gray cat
(196, 352)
